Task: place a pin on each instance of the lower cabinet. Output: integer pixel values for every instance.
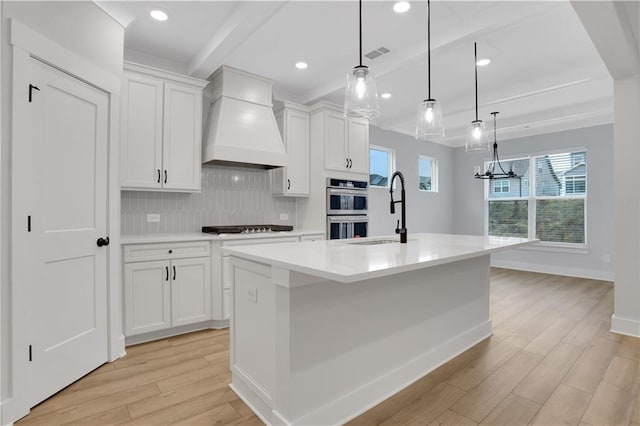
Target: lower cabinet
(168, 293)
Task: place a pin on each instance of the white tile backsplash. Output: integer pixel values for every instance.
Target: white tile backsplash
(230, 196)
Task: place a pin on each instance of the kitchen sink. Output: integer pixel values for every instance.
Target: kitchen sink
(372, 242)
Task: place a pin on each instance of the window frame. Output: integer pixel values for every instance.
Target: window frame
(532, 199)
(434, 173)
(391, 164)
(574, 179)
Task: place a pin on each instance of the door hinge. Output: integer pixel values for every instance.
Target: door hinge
(30, 353)
(28, 223)
(31, 87)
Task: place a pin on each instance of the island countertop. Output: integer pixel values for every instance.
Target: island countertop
(355, 259)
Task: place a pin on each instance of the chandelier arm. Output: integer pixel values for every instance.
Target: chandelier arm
(499, 164)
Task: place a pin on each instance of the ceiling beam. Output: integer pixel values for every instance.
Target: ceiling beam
(609, 25)
(244, 21)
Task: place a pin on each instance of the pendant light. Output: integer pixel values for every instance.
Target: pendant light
(429, 122)
(491, 170)
(361, 95)
(476, 135)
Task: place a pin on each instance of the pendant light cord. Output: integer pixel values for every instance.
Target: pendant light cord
(475, 56)
(429, 44)
(360, 32)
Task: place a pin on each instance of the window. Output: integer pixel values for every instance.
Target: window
(553, 211)
(575, 184)
(427, 174)
(501, 185)
(380, 166)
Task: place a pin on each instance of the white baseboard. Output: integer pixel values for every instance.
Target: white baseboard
(592, 274)
(625, 326)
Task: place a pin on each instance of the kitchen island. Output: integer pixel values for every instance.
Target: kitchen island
(322, 331)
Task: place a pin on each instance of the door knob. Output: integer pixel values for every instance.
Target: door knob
(102, 241)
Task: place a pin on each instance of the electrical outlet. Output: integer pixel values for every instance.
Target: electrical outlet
(252, 294)
(153, 218)
(284, 216)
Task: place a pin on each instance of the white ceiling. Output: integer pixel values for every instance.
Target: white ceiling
(545, 73)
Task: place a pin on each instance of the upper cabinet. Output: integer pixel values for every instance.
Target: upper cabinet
(346, 142)
(293, 179)
(161, 134)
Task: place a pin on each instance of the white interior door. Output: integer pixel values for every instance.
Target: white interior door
(68, 315)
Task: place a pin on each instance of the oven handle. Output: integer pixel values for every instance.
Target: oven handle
(341, 191)
(350, 219)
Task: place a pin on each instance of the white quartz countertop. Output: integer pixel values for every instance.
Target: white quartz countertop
(201, 236)
(347, 261)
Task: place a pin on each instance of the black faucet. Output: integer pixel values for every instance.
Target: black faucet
(402, 231)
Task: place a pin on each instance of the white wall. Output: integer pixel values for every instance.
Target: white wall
(469, 211)
(426, 211)
(82, 28)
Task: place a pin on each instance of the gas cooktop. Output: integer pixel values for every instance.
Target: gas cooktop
(239, 229)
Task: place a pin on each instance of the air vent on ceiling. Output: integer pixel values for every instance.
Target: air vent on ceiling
(378, 52)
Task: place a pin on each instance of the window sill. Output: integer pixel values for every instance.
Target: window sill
(557, 248)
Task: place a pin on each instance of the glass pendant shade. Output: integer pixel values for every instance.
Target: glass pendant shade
(477, 139)
(429, 122)
(361, 95)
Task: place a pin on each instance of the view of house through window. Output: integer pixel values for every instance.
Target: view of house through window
(380, 166)
(554, 210)
(428, 174)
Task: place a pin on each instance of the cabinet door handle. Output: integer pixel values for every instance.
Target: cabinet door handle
(158, 175)
(347, 166)
(350, 163)
(288, 183)
(174, 273)
(166, 268)
(165, 176)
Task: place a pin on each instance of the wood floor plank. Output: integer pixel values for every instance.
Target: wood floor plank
(547, 340)
(623, 373)
(221, 415)
(610, 405)
(486, 363)
(178, 380)
(629, 347)
(428, 407)
(399, 401)
(451, 418)
(242, 408)
(543, 380)
(115, 416)
(565, 406)
(482, 399)
(591, 366)
(71, 413)
(190, 391)
(513, 410)
(176, 411)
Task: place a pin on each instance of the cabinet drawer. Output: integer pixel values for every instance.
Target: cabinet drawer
(144, 252)
(253, 241)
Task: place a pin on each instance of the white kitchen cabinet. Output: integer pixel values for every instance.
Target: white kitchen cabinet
(346, 143)
(161, 136)
(164, 288)
(146, 297)
(293, 179)
(358, 138)
(190, 291)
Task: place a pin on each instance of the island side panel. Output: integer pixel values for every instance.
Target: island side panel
(354, 345)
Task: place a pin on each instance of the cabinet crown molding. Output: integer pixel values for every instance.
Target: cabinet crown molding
(166, 75)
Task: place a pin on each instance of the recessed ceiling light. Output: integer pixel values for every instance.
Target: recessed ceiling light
(401, 6)
(385, 95)
(159, 15)
(301, 65)
(484, 62)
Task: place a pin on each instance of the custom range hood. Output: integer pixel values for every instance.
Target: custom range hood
(241, 128)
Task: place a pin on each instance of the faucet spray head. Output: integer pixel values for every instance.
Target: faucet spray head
(392, 206)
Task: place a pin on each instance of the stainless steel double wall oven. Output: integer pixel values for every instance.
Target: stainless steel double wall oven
(347, 204)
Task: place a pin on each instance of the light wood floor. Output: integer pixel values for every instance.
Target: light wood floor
(551, 361)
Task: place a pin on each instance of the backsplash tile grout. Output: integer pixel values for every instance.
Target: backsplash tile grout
(230, 196)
